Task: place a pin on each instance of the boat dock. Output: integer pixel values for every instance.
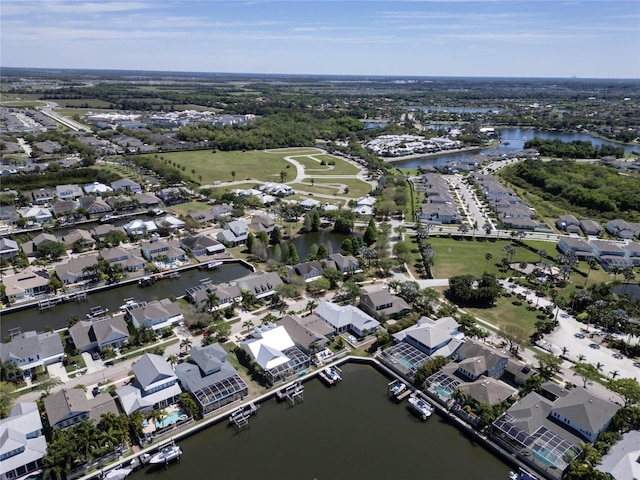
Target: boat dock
(293, 393)
(211, 265)
(398, 390)
(240, 417)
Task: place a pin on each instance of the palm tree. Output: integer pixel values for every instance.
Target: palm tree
(543, 254)
(248, 325)
(173, 360)
(233, 174)
(311, 304)
(599, 366)
(581, 358)
(510, 251)
(565, 350)
(487, 229)
(488, 258)
(9, 370)
(212, 301)
(186, 344)
(614, 374)
(463, 228)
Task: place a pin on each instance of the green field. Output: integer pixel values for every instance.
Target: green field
(184, 208)
(312, 165)
(506, 313)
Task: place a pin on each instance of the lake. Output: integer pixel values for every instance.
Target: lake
(351, 431)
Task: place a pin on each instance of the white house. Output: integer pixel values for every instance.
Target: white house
(23, 441)
(97, 188)
(347, 319)
(30, 350)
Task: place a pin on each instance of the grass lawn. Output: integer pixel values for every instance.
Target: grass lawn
(253, 165)
(506, 313)
(319, 187)
(183, 208)
(117, 169)
(312, 165)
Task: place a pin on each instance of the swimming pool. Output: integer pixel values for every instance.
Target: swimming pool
(442, 392)
(170, 419)
(544, 456)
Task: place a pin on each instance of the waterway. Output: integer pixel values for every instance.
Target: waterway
(513, 139)
(333, 242)
(351, 431)
(56, 317)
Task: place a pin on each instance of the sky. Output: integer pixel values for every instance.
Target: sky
(484, 38)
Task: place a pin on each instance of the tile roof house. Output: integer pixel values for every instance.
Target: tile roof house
(170, 223)
(8, 248)
(156, 314)
(226, 294)
(347, 319)
(99, 334)
(475, 359)
(126, 185)
(147, 200)
(156, 386)
(30, 350)
(235, 233)
(623, 460)
(27, 284)
(262, 223)
(73, 270)
(95, 206)
(23, 442)
(156, 247)
(80, 235)
(139, 228)
(200, 245)
(126, 258)
(488, 390)
(62, 208)
(275, 352)
(211, 380)
(568, 223)
(378, 302)
(71, 405)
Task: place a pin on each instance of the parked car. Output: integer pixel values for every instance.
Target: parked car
(96, 391)
(95, 355)
(595, 346)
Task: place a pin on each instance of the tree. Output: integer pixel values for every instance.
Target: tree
(259, 250)
(249, 241)
(173, 360)
(212, 302)
(248, 325)
(587, 372)
(50, 250)
(233, 175)
(317, 286)
(487, 257)
(515, 336)
(343, 225)
(115, 238)
(627, 388)
(427, 369)
(283, 176)
(186, 344)
(188, 403)
(292, 255)
(276, 236)
(371, 233)
(10, 370)
(548, 364)
(311, 304)
(49, 384)
(7, 396)
(323, 252)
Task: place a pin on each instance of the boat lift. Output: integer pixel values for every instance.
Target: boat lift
(293, 393)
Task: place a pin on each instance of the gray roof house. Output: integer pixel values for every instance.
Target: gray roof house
(30, 350)
(433, 337)
(302, 336)
(147, 200)
(62, 207)
(154, 248)
(71, 405)
(23, 441)
(488, 390)
(95, 206)
(568, 223)
(590, 227)
(69, 192)
(156, 386)
(261, 284)
(235, 233)
(126, 258)
(623, 460)
(620, 229)
(212, 380)
(27, 284)
(200, 245)
(43, 195)
(100, 333)
(310, 271)
(126, 185)
(80, 235)
(227, 294)
(345, 263)
(156, 314)
(378, 302)
(262, 223)
(73, 270)
(347, 319)
(8, 248)
(576, 245)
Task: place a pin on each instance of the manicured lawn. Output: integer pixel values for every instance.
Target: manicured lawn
(341, 167)
(183, 208)
(506, 313)
(253, 165)
(319, 187)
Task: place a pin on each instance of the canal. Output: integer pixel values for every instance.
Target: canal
(351, 431)
(56, 317)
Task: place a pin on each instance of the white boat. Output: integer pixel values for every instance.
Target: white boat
(421, 407)
(166, 454)
(333, 374)
(398, 388)
(117, 473)
(513, 475)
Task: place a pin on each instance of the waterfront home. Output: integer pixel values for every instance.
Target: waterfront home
(23, 441)
(30, 247)
(75, 270)
(155, 386)
(79, 238)
(42, 195)
(309, 204)
(432, 336)
(234, 233)
(347, 318)
(379, 303)
(591, 227)
(171, 223)
(94, 206)
(101, 333)
(126, 185)
(552, 431)
(261, 284)
(140, 228)
(69, 192)
(156, 314)
(211, 380)
(202, 216)
(36, 214)
(262, 223)
(172, 196)
(99, 232)
(609, 255)
(621, 229)
(30, 350)
(475, 359)
(568, 223)
(64, 208)
(8, 248)
(97, 188)
(306, 339)
(27, 284)
(147, 200)
(346, 264)
(623, 460)
(575, 245)
(517, 373)
(221, 210)
(118, 255)
(201, 245)
(71, 405)
(274, 351)
(309, 271)
(157, 248)
(487, 390)
(226, 295)
(122, 203)
(8, 214)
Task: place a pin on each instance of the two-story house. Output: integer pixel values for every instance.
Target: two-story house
(156, 314)
(101, 333)
(31, 350)
(71, 405)
(235, 233)
(379, 303)
(23, 441)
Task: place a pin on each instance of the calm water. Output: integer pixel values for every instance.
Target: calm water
(351, 432)
(33, 319)
(332, 241)
(516, 137)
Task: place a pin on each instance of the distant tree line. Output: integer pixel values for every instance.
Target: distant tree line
(576, 149)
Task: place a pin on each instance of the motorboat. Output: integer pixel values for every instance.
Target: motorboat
(513, 475)
(421, 407)
(398, 388)
(166, 454)
(117, 473)
(95, 312)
